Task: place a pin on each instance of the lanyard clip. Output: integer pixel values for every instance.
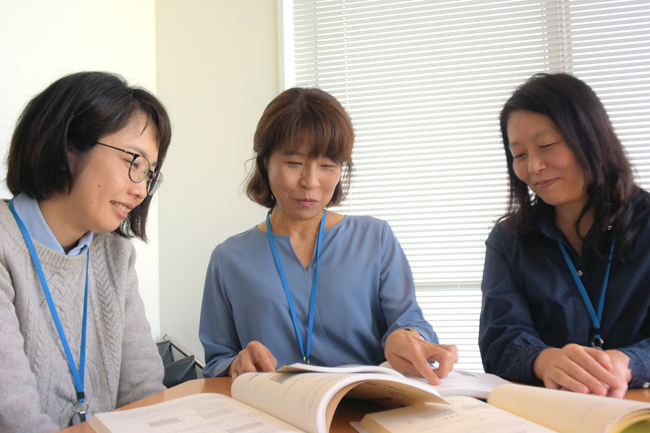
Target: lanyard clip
(597, 343)
(82, 408)
(305, 359)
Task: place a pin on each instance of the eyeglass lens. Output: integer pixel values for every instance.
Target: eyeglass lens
(141, 169)
(154, 182)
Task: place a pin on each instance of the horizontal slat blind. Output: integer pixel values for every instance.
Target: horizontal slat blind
(610, 50)
(424, 82)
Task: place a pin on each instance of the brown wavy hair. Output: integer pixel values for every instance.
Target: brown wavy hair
(296, 116)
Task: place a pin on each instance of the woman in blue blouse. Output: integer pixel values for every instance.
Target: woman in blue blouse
(566, 284)
(310, 285)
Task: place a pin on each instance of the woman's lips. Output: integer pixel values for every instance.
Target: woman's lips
(122, 210)
(543, 184)
(307, 202)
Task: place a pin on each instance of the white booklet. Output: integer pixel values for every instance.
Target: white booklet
(461, 383)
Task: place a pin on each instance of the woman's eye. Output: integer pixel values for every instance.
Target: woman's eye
(547, 146)
(518, 156)
(293, 163)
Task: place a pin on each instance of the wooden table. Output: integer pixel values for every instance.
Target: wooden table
(221, 385)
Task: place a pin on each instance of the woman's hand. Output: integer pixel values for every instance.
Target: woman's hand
(256, 357)
(621, 369)
(584, 369)
(407, 352)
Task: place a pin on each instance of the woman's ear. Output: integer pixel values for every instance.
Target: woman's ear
(74, 161)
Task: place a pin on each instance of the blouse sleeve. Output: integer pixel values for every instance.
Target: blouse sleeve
(397, 290)
(639, 354)
(217, 330)
(20, 407)
(508, 340)
(141, 369)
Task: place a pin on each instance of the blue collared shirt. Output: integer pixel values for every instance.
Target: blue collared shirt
(531, 304)
(28, 210)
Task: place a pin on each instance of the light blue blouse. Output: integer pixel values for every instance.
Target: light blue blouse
(28, 211)
(365, 292)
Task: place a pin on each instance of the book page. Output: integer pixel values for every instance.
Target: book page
(462, 383)
(308, 400)
(462, 415)
(469, 384)
(569, 412)
(199, 413)
(302, 368)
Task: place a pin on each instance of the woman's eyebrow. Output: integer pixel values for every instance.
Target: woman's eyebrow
(292, 152)
(536, 136)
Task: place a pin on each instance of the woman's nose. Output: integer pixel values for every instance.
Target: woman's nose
(309, 177)
(536, 163)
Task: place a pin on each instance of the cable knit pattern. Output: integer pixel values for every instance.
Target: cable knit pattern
(37, 393)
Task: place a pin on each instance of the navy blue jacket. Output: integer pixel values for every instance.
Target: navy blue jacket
(531, 304)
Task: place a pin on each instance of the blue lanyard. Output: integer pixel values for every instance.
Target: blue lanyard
(596, 341)
(78, 375)
(312, 304)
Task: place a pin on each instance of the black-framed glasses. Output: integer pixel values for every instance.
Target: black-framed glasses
(140, 169)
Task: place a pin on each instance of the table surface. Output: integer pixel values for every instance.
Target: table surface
(221, 385)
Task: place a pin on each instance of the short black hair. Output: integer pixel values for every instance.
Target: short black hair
(69, 117)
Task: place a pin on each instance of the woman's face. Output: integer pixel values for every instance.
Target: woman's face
(302, 186)
(102, 194)
(543, 160)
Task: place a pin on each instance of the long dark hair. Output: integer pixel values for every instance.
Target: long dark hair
(584, 125)
(295, 116)
(70, 116)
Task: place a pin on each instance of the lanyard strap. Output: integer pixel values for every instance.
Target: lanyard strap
(597, 341)
(78, 375)
(312, 304)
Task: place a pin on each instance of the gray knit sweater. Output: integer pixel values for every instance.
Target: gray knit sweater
(37, 392)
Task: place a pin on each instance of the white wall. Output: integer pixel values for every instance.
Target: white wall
(42, 40)
(217, 69)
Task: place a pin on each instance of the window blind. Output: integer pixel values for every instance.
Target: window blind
(424, 82)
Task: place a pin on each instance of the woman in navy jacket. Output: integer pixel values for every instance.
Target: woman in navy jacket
(566, 283)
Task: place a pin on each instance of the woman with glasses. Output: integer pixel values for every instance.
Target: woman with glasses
(566, 284)
(308, 284)
(83, 163)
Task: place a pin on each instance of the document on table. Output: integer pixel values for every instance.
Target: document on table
(200, 413)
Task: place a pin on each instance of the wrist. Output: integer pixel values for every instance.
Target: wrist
(542, 360)
(621, 360)
(412, 330)
(229, 374)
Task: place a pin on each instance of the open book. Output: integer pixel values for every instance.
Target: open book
(515, 409)
(272, 402)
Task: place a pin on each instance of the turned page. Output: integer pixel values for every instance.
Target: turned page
(308, 400)
(295, 398)
(569, 412)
